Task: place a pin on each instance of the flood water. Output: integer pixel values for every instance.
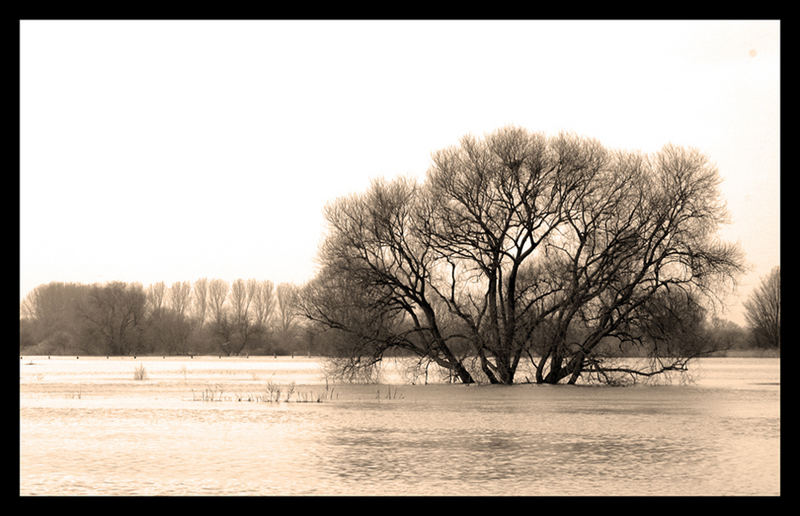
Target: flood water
(211, 426)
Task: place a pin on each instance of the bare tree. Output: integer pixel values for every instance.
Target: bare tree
(520, 245)
(200, 300)
(179, 297)
(114, 313)
(155, 296)
(264, 304)
(221, 323)
(287, 300)
(51, 316)
(217, 295)
(242, 296)
(176, 326)
(28, 307)
(763, 311)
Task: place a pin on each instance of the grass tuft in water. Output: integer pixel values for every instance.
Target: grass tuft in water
(272, 393)
(390, 395)
(140, 373)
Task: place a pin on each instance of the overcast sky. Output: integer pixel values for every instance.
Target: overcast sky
(174, 150)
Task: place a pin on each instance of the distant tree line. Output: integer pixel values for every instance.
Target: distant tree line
(204, 317)
(519, 246)
(213, 317)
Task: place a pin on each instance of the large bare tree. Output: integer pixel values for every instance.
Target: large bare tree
(522, 245)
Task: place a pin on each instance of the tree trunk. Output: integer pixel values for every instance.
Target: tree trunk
(485, 367)
(576, 366)
(462, 373)
(504, 370)
(540, 367)
(556, 372)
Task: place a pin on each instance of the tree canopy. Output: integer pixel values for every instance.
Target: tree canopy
(522, 246)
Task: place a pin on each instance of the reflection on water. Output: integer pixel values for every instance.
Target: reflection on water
(92, 429)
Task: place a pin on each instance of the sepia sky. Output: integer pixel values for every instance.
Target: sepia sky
(174, 150)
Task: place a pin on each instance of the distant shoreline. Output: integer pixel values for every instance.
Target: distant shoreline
(747, 353)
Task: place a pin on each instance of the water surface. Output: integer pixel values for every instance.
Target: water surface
(87, 427)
